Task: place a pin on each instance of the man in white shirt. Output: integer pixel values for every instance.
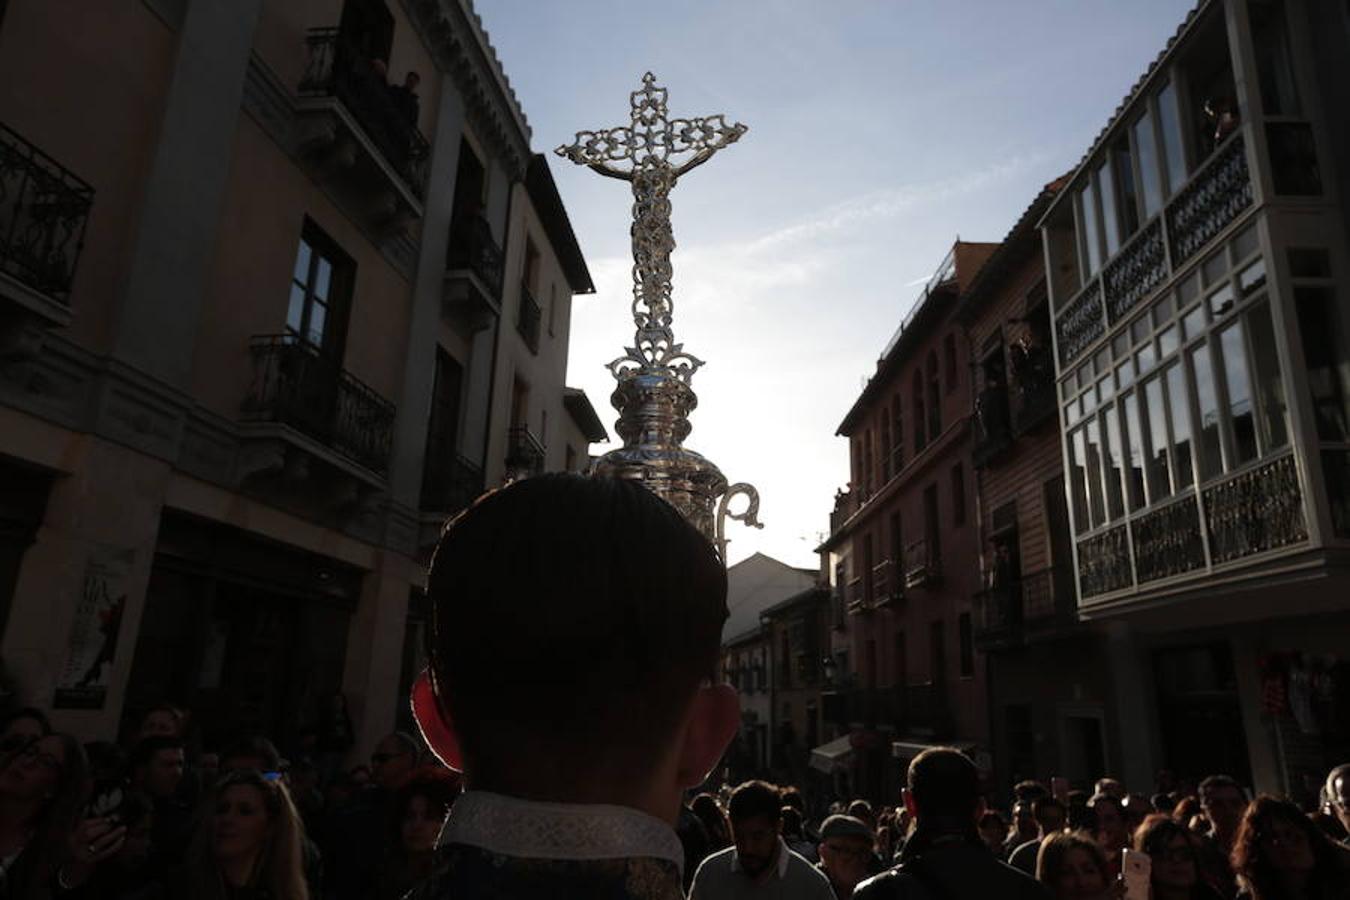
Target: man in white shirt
(759, 864)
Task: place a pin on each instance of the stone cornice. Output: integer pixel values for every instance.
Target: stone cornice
(454, 34)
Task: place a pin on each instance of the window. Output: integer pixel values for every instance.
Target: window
(897, 542)
(1267, 380)
(570, 458)
(1087, 216)
(898, 432)
(1110, 221)
(1207, 401)
(919, 437)
(1240, 409)
(937, 651)
(531, 271)
(934, 398)
(949, 352)
(1183, 473)
(867, 460)
(958, 495)
(869, 561)
(1115, 506)
(885, 446)
(1146, 148)
(320, 284)
(1092, 439)
(1175, 153)
(552, 306)
(1078, 480)
(967, 646)
(1322, 324)
(1156, 468)
(1134, 474)
(1129, 201)
(931, 533)
(1270, 42)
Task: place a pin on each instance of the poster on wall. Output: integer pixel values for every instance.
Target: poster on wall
(92, 647)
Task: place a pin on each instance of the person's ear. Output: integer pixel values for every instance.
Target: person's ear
(434, 722)
(713, 721)
(910, 807)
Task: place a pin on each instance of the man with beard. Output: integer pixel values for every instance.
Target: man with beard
(759, 863)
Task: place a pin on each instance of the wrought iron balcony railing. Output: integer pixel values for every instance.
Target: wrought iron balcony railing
(524, 451)
(887, 584)
(857, 599)
(295, 384)
(44, 208)
(449, 481)
(474, 249)
(337, 68)
(527, 323)
(1211, 199)
(1010, 613)
(923, 564)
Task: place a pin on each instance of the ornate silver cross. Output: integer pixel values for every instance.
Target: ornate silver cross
(654, 396)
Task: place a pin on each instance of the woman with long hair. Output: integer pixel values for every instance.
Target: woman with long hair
(1280, 855)
(1073, 867)
(247, 847)
(1174, 851)
(43, 787)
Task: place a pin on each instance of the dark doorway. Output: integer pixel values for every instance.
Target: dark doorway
(1084, 758)
(1199, 717)
(249, 635)
(23, 503)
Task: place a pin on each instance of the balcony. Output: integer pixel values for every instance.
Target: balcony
(857, 598)
(1033, 388)
(1212, 199)
(1036, 605)
(294, 385)
(472, 289)
(923, 564)
(355, 134)
(527, 322)
(43, 212)
(887, 586)
(450, 482)
(524, 453)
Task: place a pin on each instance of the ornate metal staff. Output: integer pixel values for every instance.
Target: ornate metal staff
(653, 395)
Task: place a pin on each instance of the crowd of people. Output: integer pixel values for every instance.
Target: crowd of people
(574, 639)
(1205, 842)
(158, 819)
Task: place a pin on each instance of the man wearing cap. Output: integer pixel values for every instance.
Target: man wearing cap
(845, 851)
(759, 864)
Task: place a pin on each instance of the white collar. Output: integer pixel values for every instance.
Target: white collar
(533, 829)
(783, 852)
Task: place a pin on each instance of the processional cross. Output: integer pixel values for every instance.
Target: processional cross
(654, 396)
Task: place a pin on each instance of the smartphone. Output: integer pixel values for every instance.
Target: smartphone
(1137, 870)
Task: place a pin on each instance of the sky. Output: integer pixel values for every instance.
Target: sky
(879, 133)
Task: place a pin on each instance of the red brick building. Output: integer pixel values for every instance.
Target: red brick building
(903, 549)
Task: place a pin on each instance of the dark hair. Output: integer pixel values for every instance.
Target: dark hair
(946, 788)
(793, 798)
(586, 607)
(1328, 879)
(439, 787)
(1029, 790)
(1162, 803)
(754, 800)
(792, 821)
(993, 817)
(1056, 847)
(28, 712)
(710, 813)
(1096, 801)
(1216, 782)
(1156, 832)
(146, 748)
(53, 822)
(253, 747)
(1076, 813)
(1041, 804)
